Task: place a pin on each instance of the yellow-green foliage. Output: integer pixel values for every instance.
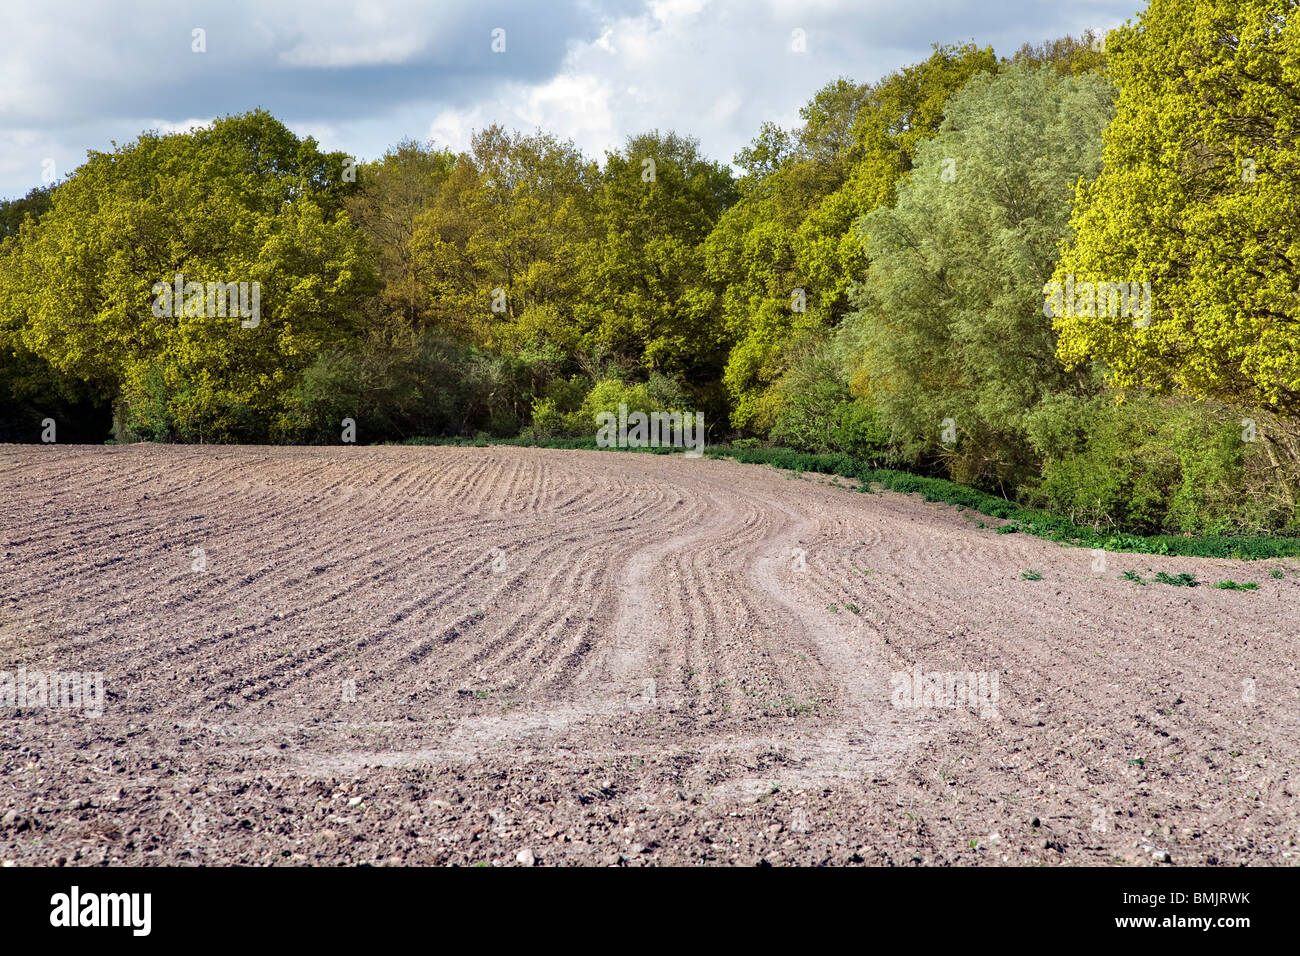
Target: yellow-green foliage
(502, 237)
(605, 396)
(243, 201)
(1200, 196)
(644, 302)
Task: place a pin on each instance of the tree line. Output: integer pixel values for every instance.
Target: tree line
(874, 282)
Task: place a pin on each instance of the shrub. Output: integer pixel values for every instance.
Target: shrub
(822, 418)
(435, 387)
(606, 396)
(548, 421)
(1146, 464)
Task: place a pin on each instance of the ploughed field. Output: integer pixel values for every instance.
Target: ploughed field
(460, 655)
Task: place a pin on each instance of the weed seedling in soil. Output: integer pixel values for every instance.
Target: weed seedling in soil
(1134, 577)
(1183, 580)
(1031, 576)
(1234, 586)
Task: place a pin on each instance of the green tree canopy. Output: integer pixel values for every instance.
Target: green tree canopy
(499, 246)
(645, 303)
(393, 193)
(1200, 196)
(785, 255)
(951, 322)
(242, 201)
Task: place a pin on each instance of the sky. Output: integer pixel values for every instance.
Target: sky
(361, 76)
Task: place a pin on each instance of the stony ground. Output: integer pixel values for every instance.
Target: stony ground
(502, 656)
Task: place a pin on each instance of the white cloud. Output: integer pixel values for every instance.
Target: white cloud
(573, 106)
(717, 69)
(697, 67)
(362, 75)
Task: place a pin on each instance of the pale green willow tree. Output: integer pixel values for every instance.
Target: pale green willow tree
(793, 226)
(950, 343)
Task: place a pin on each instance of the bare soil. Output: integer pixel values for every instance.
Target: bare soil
(410, 655)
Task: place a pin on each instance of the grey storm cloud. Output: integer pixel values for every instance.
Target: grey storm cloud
(362, 75)
(324, 59)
